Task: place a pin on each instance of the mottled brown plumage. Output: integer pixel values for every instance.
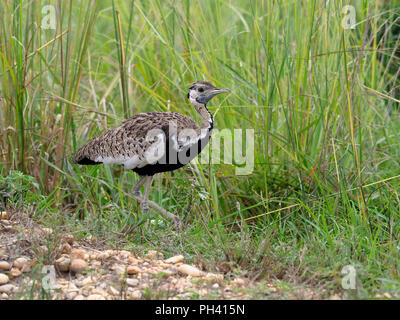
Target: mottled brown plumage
(129, 139)
(153, 142)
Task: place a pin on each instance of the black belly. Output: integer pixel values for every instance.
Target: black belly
(173, 160)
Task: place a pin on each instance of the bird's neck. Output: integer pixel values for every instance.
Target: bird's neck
(207, 120)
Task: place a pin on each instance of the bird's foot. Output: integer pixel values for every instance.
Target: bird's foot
(137, 194)
(144, 207)
(177, 223)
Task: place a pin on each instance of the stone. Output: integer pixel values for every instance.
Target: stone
(103, 256)
(167, 287)
(99, 291)
(63, 264)
(71, 295)
(136, 294)
(15, 273)
(3, 279)
(132, 282)
(4, 296)
(174, 259)
(133, 261)
(4, 265)
(171, 271)
(214, 277)
(69, 238)
(79, 254)
(79, 297)
(26, 268)
(114, 292)
(96, 263)
(7, 288)
(78, 265)
(72, 287)
(86, 292)
(238, 282)
(3, 253)
(190, 270)
(43, 250)
(47, 231)
(119, 270)
(20, 262)
(133, 270)
(155, 255)
(66, 248)
(123, 254)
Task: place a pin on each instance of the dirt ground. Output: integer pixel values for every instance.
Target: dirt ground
(39, 263)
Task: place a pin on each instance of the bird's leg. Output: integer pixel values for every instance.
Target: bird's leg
(177, 221)
(136, 188)
(144, 205)
(145, 202)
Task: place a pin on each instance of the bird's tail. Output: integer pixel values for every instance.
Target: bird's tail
(83, 158)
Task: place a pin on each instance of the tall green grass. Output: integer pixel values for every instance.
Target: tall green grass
(323, 101)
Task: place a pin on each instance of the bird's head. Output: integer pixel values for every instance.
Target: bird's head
(202, 92)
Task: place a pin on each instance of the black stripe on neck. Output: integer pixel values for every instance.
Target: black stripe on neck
(211, 120)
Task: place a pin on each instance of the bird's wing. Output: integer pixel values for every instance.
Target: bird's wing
(139, 140)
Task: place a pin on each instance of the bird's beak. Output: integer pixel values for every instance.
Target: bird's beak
(221, 90)
(207, 96)
(218, 91)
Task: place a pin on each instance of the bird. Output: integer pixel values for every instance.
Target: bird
(154, 142)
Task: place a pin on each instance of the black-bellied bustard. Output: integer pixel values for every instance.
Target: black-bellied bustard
(153, 142)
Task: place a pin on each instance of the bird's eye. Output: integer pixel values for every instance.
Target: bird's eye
(201, 89)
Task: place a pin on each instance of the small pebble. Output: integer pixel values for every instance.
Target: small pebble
(190, 270)
(43, 250)
(155, 255)
(15, 273)
(119, 270)
(86, 281)
(69, 238)
(26, 268)
(133, 270)
(3, 279)
(123, 254)
(213, 277)
(78, 254)
(238, 282)
(71, 295)
(47, 231)
(114, 292)
(63, 264)
(4, 265)
(103, 256)
(133, 261)
(132, 282)
(20, 262)
(66, 248)
(174, 259)
(78, 265)
(7, 288)
(136, 294)
(166, 287)
(3, 252)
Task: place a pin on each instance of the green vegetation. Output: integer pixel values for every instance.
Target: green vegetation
(323, 101)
